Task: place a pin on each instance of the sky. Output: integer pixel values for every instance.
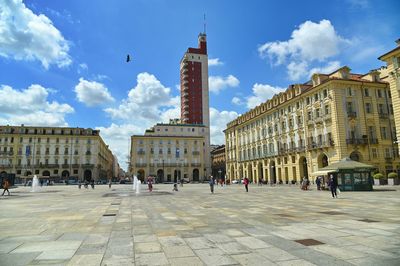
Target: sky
(63, 63)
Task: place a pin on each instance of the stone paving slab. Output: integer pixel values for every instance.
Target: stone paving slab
(194, 227)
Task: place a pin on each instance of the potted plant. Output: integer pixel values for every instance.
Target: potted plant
(395, 177)
(381, 178)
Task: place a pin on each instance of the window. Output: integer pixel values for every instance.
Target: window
(368, 108)
(326, 109)
(383, 132)
(325, 93)
(308, 100)
(366, 92)
(309, 115)
(374, 153)
(349, 106)
(381, 109)
(316, 97)
(379, 93)
(160, 151)
(317, 112)
(21, 140)
(349, 92)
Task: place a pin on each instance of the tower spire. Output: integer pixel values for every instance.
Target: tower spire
(204, 23)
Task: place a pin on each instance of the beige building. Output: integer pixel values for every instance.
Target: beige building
(57, 153)
(170, 152)
(311, 125)
(391, 74)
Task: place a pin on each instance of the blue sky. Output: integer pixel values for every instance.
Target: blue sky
(62, 63)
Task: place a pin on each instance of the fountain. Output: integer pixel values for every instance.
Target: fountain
(138, 186)
(134, 182)
(35, 184)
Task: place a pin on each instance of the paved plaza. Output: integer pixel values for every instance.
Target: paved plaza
(282, 225)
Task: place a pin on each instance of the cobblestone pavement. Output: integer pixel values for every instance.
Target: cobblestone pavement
(62, 225)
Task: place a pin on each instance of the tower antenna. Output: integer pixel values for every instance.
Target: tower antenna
(204, 23)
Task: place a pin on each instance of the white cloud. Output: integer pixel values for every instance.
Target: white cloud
(328, 68)
(92, 93)
(219, 120)
(118, 137)
(82, 68)
(218, 83)
(27, 36)
(214, 62)
(261, 93)
(148, 101)
(237, 101)
(31, 107)
(310, 42)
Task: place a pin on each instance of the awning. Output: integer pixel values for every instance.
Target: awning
(323, 172)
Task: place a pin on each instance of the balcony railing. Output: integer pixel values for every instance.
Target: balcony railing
(196, 153)
(141, 164)
(373, 141)
(141, 152)
(351, 114)
(383, 115)
(195, 164)
(356, 141)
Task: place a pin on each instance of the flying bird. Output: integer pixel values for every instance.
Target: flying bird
(128, 58)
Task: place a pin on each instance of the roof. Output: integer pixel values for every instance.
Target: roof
(346, 163)
(391, 51)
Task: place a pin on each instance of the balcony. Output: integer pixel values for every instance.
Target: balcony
(141, 152)
(195, 164)
(196, 153)
(383, 115)
(301, 148)
(65, 165)
(356, 141)
(388, 158)
(87, 165)
(373, 141)
(351, 114)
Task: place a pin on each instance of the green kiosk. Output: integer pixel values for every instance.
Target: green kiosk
(351, 175)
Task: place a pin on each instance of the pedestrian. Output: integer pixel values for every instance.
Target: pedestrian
(181, 182)
(211, 183)
(318, 182)
(332, 183)
(150, 183)
(246, 183)
(6, 186)
(92, 183)
(79, 184)
(260, 182)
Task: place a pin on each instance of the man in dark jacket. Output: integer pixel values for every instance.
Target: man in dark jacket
(333, 185)
(6, 186)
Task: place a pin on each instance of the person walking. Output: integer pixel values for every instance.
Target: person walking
(318, 182)
(246, 183)
(6, 186)
(109, 184)
(211, 183)
(150, 183)
(332, 183)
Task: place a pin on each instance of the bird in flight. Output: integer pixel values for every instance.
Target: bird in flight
(128, 58)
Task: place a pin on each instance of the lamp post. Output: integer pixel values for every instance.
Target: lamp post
(163, 172)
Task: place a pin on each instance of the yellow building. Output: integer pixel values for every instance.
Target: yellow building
(170, 152)
(57, 153)
(391, 74)
(314, 124)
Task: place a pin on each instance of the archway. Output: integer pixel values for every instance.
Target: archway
(160, 175)
(46, 173)
(141, 175)
(177, 175)
(196, 175)
(241, 172)
(28, 173)
(65, 174)
(303, 167)
(87, 175)
(322, 160)
(260, 172)
(355, 156)
(232, 174)
(3, 173)
(272, 170)
(250, 172)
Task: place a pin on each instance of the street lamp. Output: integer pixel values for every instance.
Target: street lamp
(163, 171)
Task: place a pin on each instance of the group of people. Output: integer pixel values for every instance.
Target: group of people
(86, 184)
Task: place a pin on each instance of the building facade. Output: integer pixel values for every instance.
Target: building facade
(194, 90)
(391, 74)
(170, 152)
(218, 162)
(57, 153)
(311, 125)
